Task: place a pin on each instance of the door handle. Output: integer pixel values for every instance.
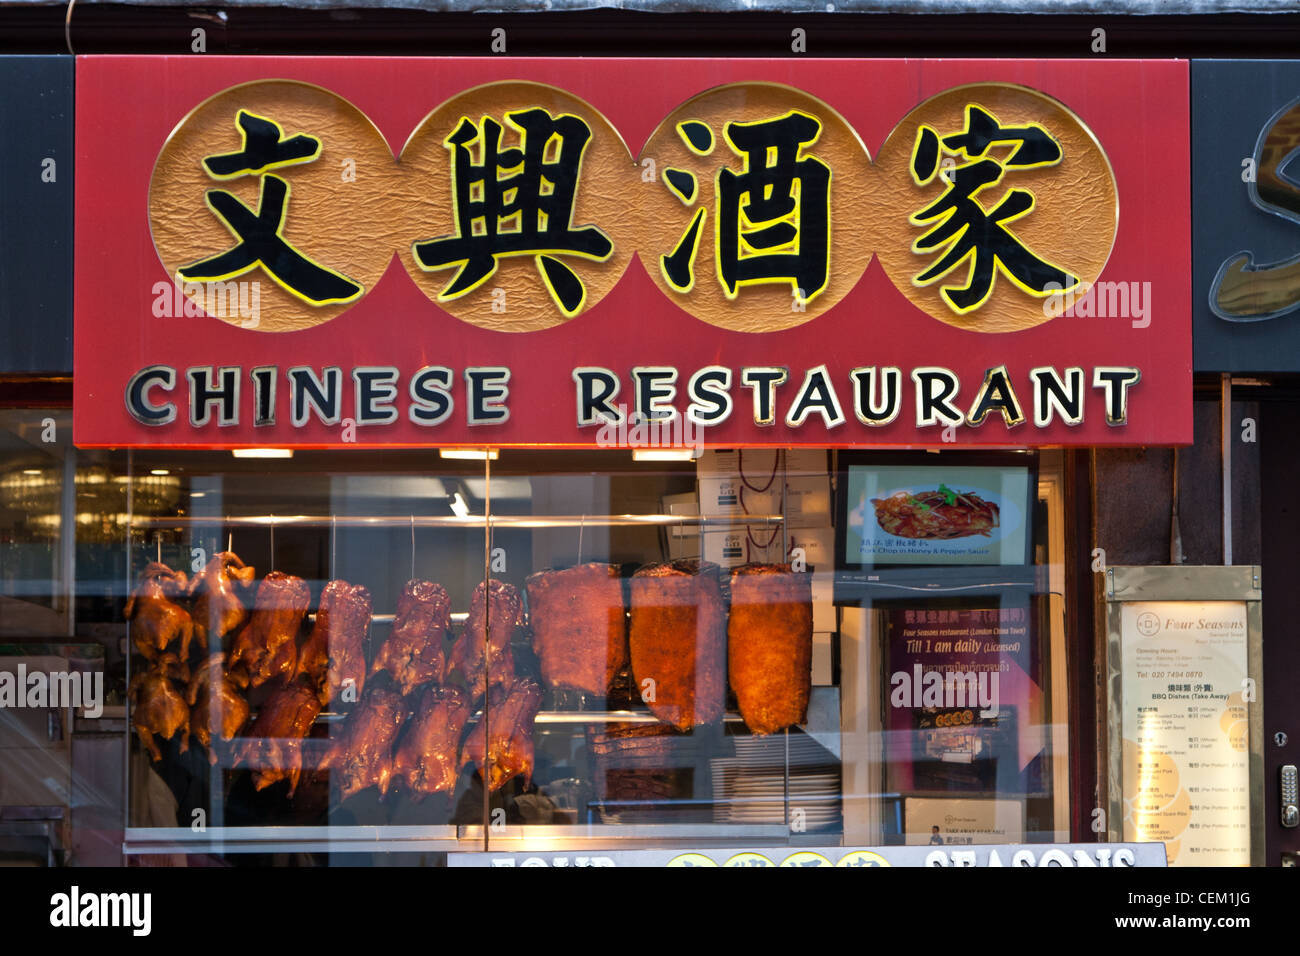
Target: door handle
(1290, 797)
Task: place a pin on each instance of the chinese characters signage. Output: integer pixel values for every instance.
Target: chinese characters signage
(717, 251)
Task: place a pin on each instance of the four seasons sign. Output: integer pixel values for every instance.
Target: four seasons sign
(581, 248)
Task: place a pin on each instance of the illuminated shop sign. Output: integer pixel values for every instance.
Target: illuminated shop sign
(262, 266)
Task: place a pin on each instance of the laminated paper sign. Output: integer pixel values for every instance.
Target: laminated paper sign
(331, 252)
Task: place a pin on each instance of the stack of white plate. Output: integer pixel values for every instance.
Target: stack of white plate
(751, 787)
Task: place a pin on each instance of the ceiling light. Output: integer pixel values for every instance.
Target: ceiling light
(31, 471)
(262, 452)
(470, 454)
(664, 454)
(159, 471)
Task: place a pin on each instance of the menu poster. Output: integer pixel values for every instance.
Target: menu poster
(962, 822)
(964, 715)
(934, 515)
(1186, 775)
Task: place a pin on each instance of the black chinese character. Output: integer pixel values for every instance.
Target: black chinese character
(963, 228)
(261, 242)
(773, 215)
(517, 201)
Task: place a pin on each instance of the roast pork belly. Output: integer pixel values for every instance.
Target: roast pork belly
(579, 633)
(769, 645)
(677, 639)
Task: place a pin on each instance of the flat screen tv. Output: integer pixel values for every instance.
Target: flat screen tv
(919, 510)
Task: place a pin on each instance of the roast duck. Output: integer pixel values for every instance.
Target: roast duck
(267, 647)
(220, 593)
(218, 708)
(769, 645)
(935, 514)
(677, 637)
(273, 744)
(579, 632)
(413, 653)
(482, 657)
(427, 755)
(157, 621)
(505, 732)
(363, 754)
(335, 653)
(158, 704)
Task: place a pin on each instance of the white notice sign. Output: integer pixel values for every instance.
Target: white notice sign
(1186, 744)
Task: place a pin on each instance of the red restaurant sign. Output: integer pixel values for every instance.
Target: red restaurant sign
(386, 252)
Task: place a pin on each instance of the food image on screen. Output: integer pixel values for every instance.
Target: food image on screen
(942, 513)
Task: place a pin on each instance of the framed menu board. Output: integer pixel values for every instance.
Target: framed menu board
(1185, 712)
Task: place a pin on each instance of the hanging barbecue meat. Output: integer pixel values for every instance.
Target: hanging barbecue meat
(935, 514)
(426, 756)
(769, 645)
(364, 752)
(158, 703)
(335, 651)
(156, 619)
(512, 708)
(274, 741)
(267, 647)
(677, 639)
(218, 708)
(480, 655)
(413, 655)
(221, 592)
(579, 632)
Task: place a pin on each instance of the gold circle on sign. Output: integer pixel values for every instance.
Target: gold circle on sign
(668, 214)
(1071, 225)
(515, 294)
(338, 205)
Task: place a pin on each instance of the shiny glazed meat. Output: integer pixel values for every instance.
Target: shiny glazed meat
(363, 755)
(335, 651)
(158, 705)
(220, 593)
(769, 645)
(478, 655)
(509, 719)
(930, 515)
(678, 639)
(579, 631)
(274, 741)
(427, 757)
(157, 621)
(218, 708)
(413, 654)
(268, 646)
